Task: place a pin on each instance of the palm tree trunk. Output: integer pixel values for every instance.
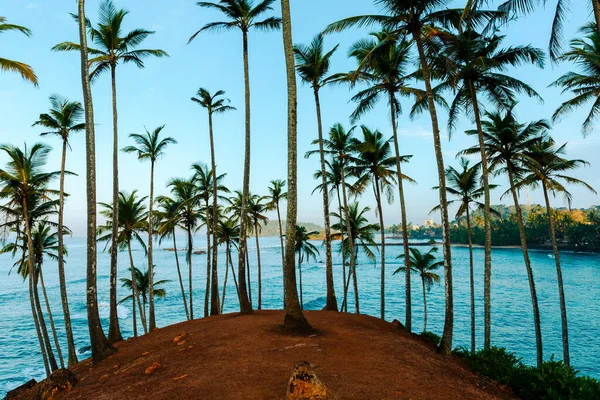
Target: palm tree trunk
(208, 260)
(245, 304)
(345, 288)
(424, 307)
(471, 279)
(190, 275)
(249, 281)
(37, 326)
(446, 342)
(331, 303)
(51, 319)
(235, 282)
(295, 320)
(596, 7)
(282, 249)
(101, 347)
(226, 276)
(135, 291)
(215, 307)
(300, 275)
(352, 269)
(355, 281)
(133, 314)
(152, 318)
(534, 299)
(72, 357)
(187, 313)
(561, 288)
(259, 266)
(382, 250)
(42, 322)
(408, 321)
(487, 214)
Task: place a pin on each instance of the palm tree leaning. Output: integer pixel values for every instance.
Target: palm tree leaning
(306, 250)
(113, 48)
(17, 67)
(214, 104)
(101, 347)
(242, 15)
(312, 64)
(276, 195)
(151, 147)
(64, 118)
(505, 142)
(547, 166)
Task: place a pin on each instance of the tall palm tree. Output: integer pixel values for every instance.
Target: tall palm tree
(256, 210)
(339, 146)
(150, 147)
(214, 104)
(548, 167)
(505, 142)
(112, 48)
(228, 231)
(306, 250)
(100, 345)
(142, 282)
(132, 223)
(64, 118)
(584, 85)
(374, 165)
(276, 195)
(17, 67)
(242, 15)
(424, 265)
(312, 64)
(168, 219)
(360, 236)
(294, 317)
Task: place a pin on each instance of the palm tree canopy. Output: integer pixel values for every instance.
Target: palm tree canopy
(63, 118)
(276, 193)
(363, 233)
(203, 179)
(423, 264)
(228, 230)
(166, 217)
(149, 146)
(143, 284)
(185, 192)
(304, 247)
(133, 220)
(312, 63)
(215, 104)
(240, 14)
(17, 67)
(257, 206)
(465, 184)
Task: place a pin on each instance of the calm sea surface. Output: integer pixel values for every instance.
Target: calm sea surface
(512, 322)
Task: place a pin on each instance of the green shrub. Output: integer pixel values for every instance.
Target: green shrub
(431, 337)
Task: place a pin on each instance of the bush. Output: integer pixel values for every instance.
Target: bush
(431, 337)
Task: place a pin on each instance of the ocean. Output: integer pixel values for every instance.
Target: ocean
(512, 321)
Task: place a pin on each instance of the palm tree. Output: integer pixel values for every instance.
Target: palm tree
(112, 49)
(150, 147)
(312, 64)
(585, 84)
(424, 265)
(242, 15)
(295, 320)
(133, 222)
(169, 219)
(360, 236)
(548, 167)
(256, 209)
(228, 233)
(20, 68)
(214, 104)
(306, 250)
(63, 119)
(143, 282)
(373, 165)
(505, 142)
(339, 146)
(101, 347)
(276, 195)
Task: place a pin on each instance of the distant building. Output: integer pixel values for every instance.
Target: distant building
(429, 223)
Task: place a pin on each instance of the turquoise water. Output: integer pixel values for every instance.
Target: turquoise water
(512, 322)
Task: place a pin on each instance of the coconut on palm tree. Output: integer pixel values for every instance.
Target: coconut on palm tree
(214, 104)
(143, 282)
(243, 16)
(63, 119)
(112, 48)
(425, 266)
(276, 195)
(150, 147)
(306, 250)
(17, 67)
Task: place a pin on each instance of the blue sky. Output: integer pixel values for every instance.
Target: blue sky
(160, 94)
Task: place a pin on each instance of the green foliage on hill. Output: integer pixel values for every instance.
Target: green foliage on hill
(272, 227)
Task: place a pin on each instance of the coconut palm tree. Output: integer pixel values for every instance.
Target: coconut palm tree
(374, 165)
(425, 265)
(150, 147)
(276, 195)
(168, 219)
(17, 67)
(584, 85)
(242, 15)
(101, 347)
(64, 118)
(214, 104)
(548, 167)
(228, 231)
(113, 48)
(306, 250)
(505, 143)
(312, 64)
(142, 282)
(360, 236)
(256, 209)
(132, 223)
